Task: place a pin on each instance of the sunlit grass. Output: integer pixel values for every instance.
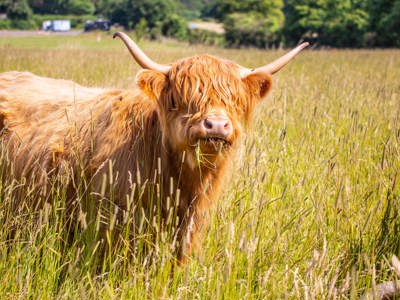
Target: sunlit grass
(312, 208)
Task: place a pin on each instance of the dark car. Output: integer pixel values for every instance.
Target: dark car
(97, 25)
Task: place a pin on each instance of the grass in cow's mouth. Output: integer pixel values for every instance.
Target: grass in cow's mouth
(217, 142)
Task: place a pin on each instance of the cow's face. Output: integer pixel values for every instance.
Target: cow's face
(203, 105)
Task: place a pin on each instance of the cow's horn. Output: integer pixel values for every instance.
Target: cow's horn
(142, 59)
(277, 64)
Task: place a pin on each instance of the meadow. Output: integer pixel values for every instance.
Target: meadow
(311, 210)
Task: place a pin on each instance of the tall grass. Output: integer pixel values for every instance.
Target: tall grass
(311, 211)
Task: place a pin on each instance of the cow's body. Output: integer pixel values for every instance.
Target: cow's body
(167, 141)
(55, 127)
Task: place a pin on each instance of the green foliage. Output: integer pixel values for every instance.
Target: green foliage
(384, 24)
(209, 9)
(192, 8)
(267, 8)
(250, 22)
(5, 24)
(249, 29)
(79, 7)
(18, 10)
(3, 6)
(102, 6)
(155, 32)
(347, 23)
(23, 24)
(207, 37)
(377, 9)
(259, 23)
(328, 22)
(195, 9)
(159, 15)
(128, 12)
(141, 29)
(389, 27)
(20, 15)
(176, 27)
(47, 6)
(73, 7)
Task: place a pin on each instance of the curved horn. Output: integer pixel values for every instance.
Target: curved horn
(142, 59)
(277, 64)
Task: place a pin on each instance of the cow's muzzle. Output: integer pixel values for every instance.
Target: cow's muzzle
(213, 133)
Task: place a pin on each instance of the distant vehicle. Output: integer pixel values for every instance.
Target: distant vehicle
(97, 25)
(57, 25)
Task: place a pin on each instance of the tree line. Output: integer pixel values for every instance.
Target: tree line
(258, 23)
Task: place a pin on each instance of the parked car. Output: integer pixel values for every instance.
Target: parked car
(57, 25)
(97, 25)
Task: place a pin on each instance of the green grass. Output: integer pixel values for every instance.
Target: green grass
(312, 208)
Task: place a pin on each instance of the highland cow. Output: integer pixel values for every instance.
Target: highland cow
(173, 135)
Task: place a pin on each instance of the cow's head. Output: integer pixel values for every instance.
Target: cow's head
(203, 101)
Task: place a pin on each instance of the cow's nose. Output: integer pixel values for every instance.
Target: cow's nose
(218, 126)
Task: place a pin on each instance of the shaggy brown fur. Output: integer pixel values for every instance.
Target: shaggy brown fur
(52, 126)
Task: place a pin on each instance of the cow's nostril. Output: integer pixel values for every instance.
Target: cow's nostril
(208, 124)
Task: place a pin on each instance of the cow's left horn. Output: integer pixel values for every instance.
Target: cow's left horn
(142, 59)
(277, 64)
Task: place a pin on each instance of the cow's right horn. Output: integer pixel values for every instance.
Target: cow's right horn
(277, 64)
(142, 59)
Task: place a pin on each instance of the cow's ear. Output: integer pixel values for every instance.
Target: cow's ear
(152, 83)
(259, 83)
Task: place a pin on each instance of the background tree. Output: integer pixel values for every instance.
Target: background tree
(19, 15)
(175, 26)
(102, 6)
(3, 6)
(159, 15)
(79, 7)
(330, 22)
(18, 10)
(250, 29)
(250, 22)
(271, 8)
(192, 8)
(62, 7)
(129, 12)
(384, 23)
(47, 6)
(259, 23)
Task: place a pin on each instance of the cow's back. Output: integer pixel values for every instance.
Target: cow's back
(25, 86)
(37, 114)
(28, 97)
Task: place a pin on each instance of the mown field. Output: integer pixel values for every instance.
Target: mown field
(312, 210)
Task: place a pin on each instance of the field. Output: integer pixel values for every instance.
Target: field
(312, 210)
